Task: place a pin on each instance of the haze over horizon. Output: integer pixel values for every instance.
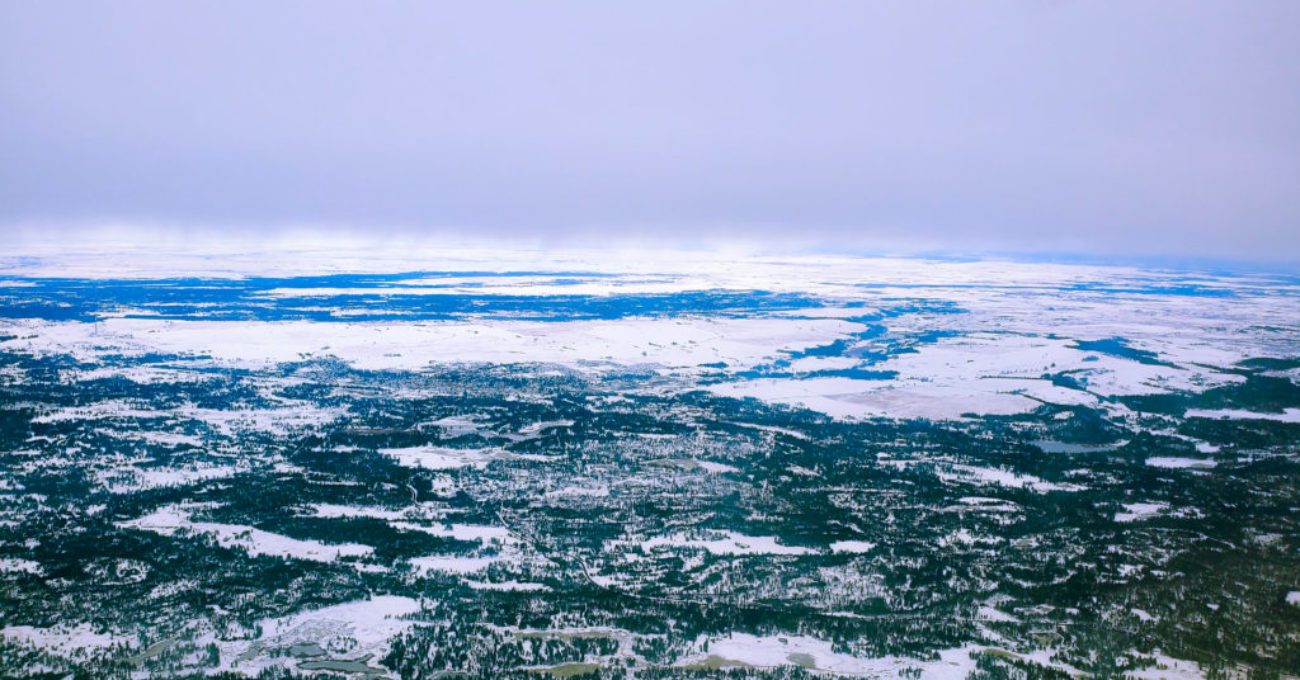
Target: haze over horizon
(1102, 129)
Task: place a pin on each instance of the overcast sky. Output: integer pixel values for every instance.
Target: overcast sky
(1137, 128)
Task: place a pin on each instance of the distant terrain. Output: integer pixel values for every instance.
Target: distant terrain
(499, 465)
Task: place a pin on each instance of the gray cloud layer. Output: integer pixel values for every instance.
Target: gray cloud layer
(1126, 127)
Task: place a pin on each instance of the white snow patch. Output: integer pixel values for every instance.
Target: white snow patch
(815, 654)
(64, 639)
(480, 533)
(131, 479)
(971, 474)
(285, 420)
(1178, 463)
(171, 519)
(775, 430)
(537, 428)
(1168, 668)
(363, 627)
(507, 585)
(369, 622)
(803, 471)
(440, 457)
(229, 422)
(716, 468)
(730, 543)
(675, 343)
(854, 547)
(109, 408)
(455, 426)
(1139, 511)
(330, 510)
(17, 565)
(452, 564)
(963, 536)
(594, 491)
(1290, 415)
(995, 615)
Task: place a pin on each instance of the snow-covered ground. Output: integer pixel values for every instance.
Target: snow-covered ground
(742, 649)
(441, 457)
(1139, 511)
(726, 543)
(856, 338)
(173, 518)
(1014, 323)
(361, 629)
(970, 474)
(1290, 415)
(66, 640)
(1174, 463)
(852, 546)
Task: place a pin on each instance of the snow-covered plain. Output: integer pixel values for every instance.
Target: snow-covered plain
(1014, 322)
(171, 519)
(852, 338)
